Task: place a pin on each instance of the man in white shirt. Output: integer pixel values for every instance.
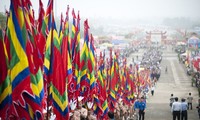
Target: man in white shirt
(152, 90)
(190, 98)
(184, 107)
(176, 109)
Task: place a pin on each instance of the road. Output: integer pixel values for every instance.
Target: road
(175, 81)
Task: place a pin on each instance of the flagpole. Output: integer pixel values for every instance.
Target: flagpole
(48, 83)
(138, 83)
(56, 8)
(47, 117)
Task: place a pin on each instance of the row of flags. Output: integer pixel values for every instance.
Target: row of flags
(44, 67)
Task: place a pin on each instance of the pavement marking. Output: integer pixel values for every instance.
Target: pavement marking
(174, 72)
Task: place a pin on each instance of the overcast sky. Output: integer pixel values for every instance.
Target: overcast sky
(133, 9)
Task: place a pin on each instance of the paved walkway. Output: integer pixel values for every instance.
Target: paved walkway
(175, 81)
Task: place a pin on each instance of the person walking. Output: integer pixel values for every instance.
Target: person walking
(190, 99)
(184, 107)
(198, 108)
(193, 80)
(171, 100)
(136, 108)
(176, 109)
(152, 90)
(142, 107)
(166, 69)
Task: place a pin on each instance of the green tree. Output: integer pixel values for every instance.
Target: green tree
(2, 20)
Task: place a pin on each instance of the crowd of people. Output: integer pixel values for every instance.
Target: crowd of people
(180, 109)
(151, 61)
(196, 81)
(121, 112)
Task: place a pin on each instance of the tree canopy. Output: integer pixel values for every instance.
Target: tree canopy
(2, 20)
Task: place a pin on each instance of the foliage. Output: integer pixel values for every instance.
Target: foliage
(2, 20)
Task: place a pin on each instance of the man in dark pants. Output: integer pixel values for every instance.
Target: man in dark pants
(152, 90)
(190, 98)
(176, 109)
(184, 106)
(142, 107)
(198, 108)
(171, 100)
